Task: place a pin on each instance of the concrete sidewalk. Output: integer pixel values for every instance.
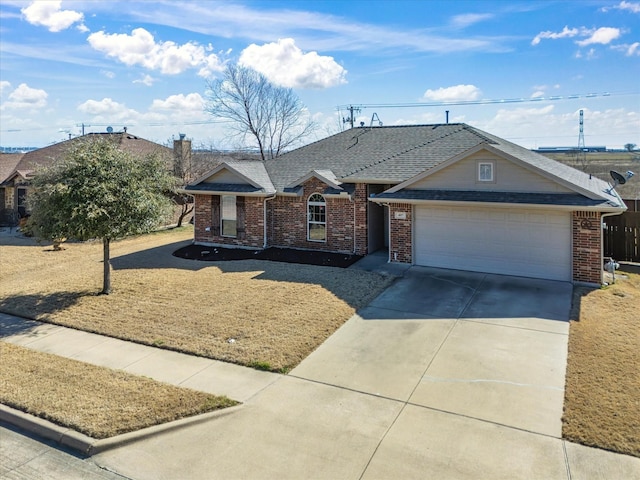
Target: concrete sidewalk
(431, 380)
(211, 376)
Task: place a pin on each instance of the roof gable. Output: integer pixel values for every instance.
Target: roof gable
(247, 176)
(566, 177)
(325, 176)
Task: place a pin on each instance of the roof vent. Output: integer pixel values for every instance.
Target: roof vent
(182, 135)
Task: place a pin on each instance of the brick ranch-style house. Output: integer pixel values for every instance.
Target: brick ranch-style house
(446, 195)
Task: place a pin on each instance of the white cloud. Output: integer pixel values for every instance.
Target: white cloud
(49, 14)
(565, 33)
(453, 94)
(602, 35)
(285, 64)
(102, 107)
(629, 50)
(632, 7)
(467, 19)
(25, 97)
(147, 80)
(4, 86)
(108, 73)
(181, 103)
(140, 48)
(537, 94)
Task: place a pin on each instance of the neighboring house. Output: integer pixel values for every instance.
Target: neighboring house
(14, 182)
(448, 196)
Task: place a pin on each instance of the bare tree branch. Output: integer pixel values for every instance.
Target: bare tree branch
(270, 117)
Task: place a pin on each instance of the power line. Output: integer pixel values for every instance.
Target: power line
(553, 98)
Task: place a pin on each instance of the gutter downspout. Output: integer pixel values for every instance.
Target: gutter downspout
(264, 212)
(355, 224)
(602, 217)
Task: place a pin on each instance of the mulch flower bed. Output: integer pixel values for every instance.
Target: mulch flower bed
(287, 255)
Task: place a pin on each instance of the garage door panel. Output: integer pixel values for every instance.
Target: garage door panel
(532, 243)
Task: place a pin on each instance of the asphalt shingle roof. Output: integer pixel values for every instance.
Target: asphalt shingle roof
(568, 199)
(46, 156)
(395, 154)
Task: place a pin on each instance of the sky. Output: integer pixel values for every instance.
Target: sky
(521, 70)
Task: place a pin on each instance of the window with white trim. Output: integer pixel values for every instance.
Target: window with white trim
(317, 218)
(485, 172)
(228, 216)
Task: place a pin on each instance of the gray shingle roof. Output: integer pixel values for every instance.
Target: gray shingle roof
(395, 154)
(255, 171)
(568, 199)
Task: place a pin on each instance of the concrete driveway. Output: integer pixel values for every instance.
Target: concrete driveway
(485, 346)
(445, 375)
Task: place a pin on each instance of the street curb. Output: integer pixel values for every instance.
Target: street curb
(90, 446)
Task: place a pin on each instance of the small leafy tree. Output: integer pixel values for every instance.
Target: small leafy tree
(100, 191)
(266, 116)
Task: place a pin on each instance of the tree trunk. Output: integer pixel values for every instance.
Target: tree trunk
(106, 261)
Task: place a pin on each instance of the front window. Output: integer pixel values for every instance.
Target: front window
(228, 213)
(317, 219)
(485, 172)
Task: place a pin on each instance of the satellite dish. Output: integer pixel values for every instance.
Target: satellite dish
(109, 129)
(618, 178)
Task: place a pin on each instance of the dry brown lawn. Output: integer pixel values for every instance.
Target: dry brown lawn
(602, 396)
(96, 401)
(276, 313)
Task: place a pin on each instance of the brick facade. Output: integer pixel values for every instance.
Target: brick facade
(401, 246)
(287, 221)
(250, 221)
(587, 247)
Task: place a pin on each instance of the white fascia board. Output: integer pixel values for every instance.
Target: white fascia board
(225, 192)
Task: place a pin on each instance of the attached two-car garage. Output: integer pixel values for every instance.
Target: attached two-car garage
(511, 241)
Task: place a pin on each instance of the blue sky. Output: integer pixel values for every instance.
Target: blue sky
(145, 65)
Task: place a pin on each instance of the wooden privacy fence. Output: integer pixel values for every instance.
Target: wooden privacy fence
(622, 237)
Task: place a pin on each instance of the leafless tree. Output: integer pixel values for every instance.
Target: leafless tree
(263, 115)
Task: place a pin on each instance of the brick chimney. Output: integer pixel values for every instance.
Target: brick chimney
(182, 157)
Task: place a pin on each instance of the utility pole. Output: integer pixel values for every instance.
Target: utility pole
(351, 118)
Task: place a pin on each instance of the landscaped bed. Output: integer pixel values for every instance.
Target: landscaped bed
(96, 401)
(602, 396)
(258, 313)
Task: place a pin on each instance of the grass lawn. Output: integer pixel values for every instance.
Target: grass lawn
(602, 395)
(96, 401)
(276, 313)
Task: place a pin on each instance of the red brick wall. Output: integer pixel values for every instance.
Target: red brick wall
(400, 248)
(287, 221)
(250, 218)
(587, 247)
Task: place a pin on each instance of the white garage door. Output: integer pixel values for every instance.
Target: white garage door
(528, 243)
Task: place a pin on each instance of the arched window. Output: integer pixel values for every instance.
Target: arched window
(317, 218)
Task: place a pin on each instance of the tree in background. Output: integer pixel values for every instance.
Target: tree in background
(629, 147)
(270, 117)
(98, 191)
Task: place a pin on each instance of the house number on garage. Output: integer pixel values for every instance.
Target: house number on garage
(400, 215)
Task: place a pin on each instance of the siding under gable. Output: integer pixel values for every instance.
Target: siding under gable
(226, 176)
(509, 177)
